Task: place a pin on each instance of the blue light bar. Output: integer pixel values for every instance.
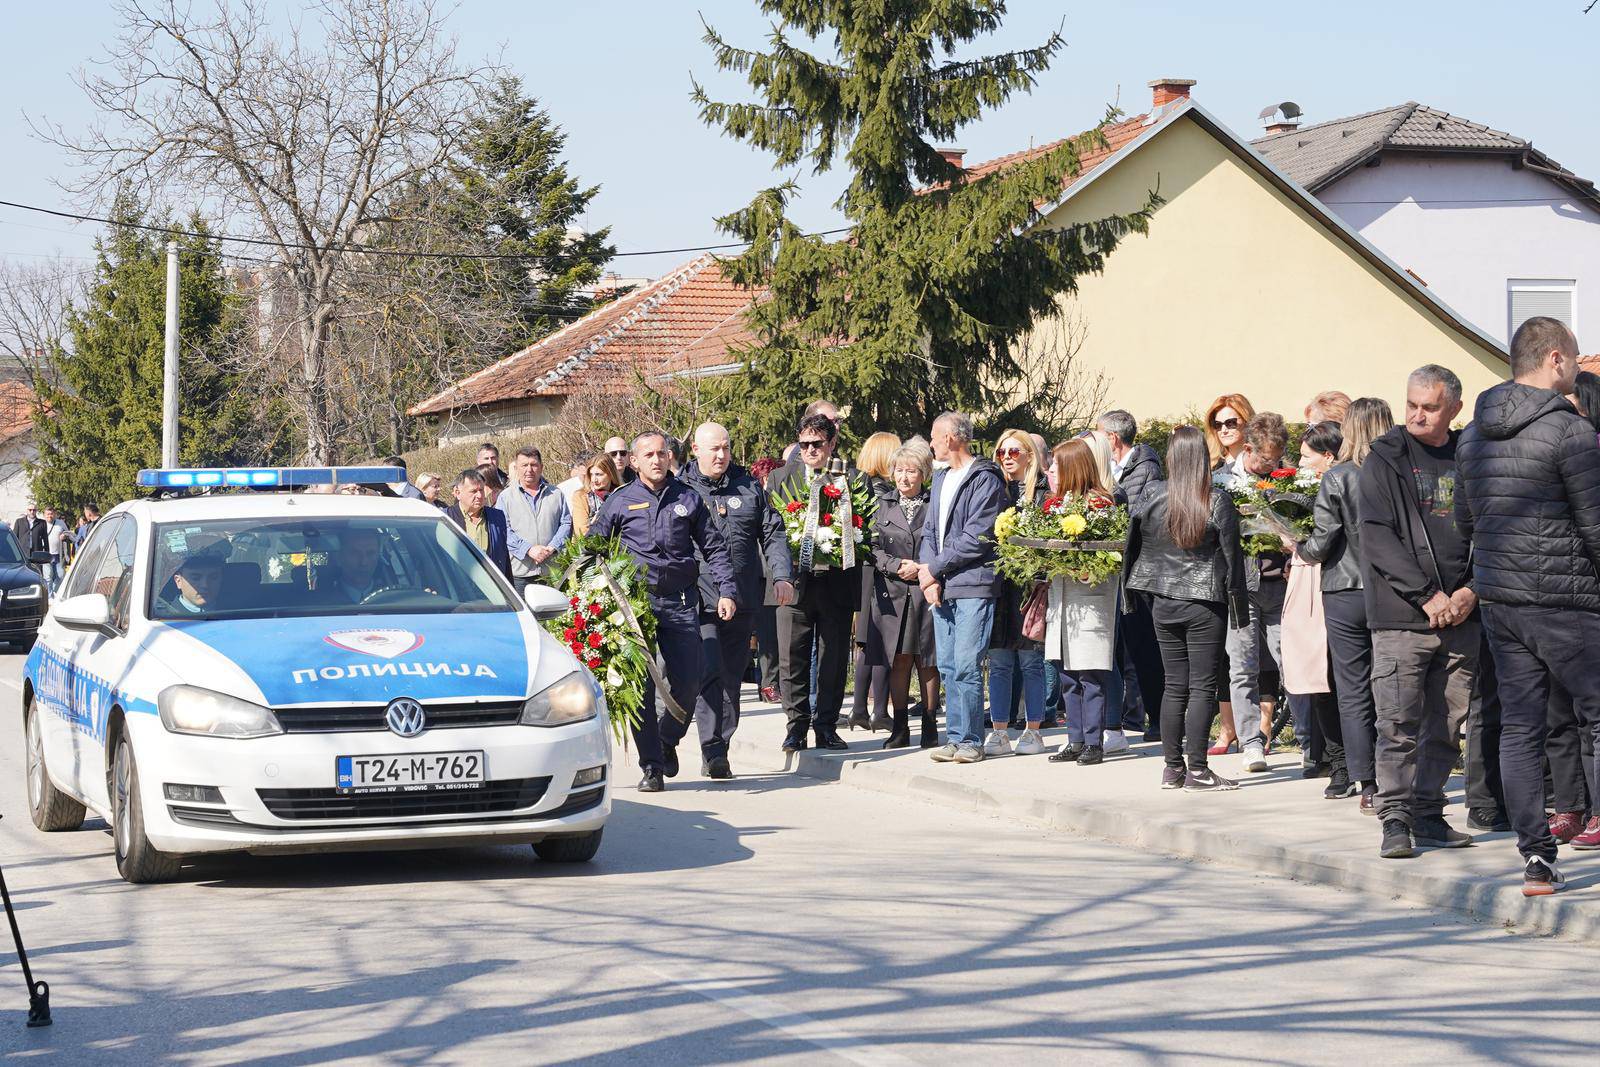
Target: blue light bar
(266, 477)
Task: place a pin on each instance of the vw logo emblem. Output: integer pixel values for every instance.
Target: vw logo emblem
(405, 717)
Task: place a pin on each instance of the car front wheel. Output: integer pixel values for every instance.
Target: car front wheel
(51, 809)
(569, 848)
(137, 859)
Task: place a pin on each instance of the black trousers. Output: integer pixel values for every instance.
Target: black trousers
(1350, 647)
(725, 648)
(1484, 788)
(1569, 749)
(679, 651)
(767, 644)
(1532, 646)
(1190, 633)
(1136, 633)
(820, 619)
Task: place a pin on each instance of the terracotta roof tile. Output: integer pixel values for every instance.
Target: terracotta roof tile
(1118, 135)
(17, 403)
(681, 322)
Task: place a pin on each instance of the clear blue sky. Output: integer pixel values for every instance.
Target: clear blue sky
(616, 76)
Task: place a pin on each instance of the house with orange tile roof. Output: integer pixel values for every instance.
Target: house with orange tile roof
(17, 448)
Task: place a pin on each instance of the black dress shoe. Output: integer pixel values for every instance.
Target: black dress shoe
(829, 738)
(717, 767)
(651, 782)
(881, 722)
(1069, 754)
(1091, 755)
(669, 762)
(1152, 735)
(795, 741)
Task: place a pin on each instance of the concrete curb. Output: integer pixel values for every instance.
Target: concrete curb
(1568, 914)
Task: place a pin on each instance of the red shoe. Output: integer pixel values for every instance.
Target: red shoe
(769, 694)
(1590, 838)
(1566, 825)
(1223, 750)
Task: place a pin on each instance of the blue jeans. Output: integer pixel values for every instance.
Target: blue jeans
(1004, 666)
(961, 637)
(1085, 693)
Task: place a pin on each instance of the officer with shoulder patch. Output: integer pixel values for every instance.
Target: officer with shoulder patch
(740, 510)
(667, 528)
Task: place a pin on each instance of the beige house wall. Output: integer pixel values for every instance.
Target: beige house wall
(1237, 288)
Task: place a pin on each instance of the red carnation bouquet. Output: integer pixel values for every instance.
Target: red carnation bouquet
(1275, 508)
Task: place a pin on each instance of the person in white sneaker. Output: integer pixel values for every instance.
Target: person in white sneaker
(1013, 656)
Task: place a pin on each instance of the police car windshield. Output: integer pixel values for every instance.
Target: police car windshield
(287, 567)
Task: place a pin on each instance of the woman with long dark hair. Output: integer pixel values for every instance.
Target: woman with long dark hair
(1184, 554)
(1335, 542)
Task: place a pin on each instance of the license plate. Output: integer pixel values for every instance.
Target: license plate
(413, 771)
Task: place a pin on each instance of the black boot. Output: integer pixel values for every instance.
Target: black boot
(899, 730)
(859, 720)
(930, 730)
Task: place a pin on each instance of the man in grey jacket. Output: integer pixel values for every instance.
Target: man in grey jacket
(537, 517)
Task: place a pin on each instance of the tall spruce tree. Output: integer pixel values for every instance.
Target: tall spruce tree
(102, 422)
(917, 309)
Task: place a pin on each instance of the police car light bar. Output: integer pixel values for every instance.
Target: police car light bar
(266, 477)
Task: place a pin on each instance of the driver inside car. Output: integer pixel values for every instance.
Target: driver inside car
(356, 564)
(196, 584)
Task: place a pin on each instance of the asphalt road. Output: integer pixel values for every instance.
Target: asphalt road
(768, 919)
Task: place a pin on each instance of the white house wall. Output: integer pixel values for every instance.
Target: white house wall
(1467, 226)
(15, 492)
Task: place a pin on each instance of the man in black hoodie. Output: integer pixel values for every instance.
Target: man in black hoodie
(1415, 566)
(1530, 500)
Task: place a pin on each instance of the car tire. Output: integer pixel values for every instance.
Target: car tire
(137, 859)
(569, 848)
(52, 810)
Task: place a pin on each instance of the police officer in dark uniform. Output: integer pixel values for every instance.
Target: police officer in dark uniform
(752, 529)
(665, 525)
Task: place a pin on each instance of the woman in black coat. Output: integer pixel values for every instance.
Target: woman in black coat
(899, 615)
(872, 663)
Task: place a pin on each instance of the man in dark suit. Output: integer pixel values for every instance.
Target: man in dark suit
(826, 598)
(32, 533)
(486, 526)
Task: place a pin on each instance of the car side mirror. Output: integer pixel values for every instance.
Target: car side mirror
(90, 611)
(545, 602)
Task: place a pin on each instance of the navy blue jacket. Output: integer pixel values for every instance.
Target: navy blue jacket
(965, 564)
(752, 528)
(498, 554)
(663, 532)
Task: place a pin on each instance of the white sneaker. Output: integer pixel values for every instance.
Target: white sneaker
(998, 743)
(943, 754)
(967, 752)
(1115, 741)
(1030, 743)
(1255, 756)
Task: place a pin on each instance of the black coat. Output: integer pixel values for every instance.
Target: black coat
(1335, 540)
(750, 526)
(1212, 571)
(1141, 470)
(899, 610)
(1398, 571)
(1007, 632)
(1528, 497)
(32, 536)
(883, 493)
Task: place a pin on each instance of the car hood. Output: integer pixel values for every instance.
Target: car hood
(16, 575)
(355, 659)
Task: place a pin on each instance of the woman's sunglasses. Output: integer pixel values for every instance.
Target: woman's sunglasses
(1010, 452)
(1226, 424)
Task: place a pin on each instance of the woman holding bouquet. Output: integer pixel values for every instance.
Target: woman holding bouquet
(1080, 629)
(899, 613)
(1185, 554)
(1335, 542)
(1014, 658)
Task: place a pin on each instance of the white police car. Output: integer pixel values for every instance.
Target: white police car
(290, 672)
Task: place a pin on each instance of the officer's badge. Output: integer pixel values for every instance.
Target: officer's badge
(680, 511)
(734, 504)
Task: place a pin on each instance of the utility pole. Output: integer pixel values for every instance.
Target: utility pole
(169, 374)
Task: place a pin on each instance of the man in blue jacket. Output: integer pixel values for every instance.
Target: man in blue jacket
(484, 524)
(957, 574)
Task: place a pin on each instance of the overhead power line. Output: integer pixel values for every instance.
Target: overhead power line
(365, 250)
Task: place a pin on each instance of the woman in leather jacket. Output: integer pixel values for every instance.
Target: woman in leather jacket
(1184, 553)
(1335, 543)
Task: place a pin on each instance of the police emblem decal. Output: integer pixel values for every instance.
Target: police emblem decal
(385, 643)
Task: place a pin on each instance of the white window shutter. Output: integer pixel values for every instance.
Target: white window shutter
(1551, 299)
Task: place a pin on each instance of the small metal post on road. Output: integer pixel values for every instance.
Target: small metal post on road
(38, 992)
(169, 374)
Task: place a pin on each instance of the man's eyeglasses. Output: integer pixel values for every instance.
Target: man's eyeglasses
(1225, 424)
(1010, 452)
(811, 446)
(618, 452)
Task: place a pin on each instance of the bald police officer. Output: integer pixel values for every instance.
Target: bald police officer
(662, 523)
(741, 512)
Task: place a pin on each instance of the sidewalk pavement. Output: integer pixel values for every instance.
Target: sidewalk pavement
(1276, 823)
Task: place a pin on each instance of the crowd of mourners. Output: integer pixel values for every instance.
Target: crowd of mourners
(1436, 610)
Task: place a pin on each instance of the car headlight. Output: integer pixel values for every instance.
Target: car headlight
(569, 700)
(27, 592)
(188, 709)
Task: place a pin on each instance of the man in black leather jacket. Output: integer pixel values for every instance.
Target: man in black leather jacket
(1530, 499)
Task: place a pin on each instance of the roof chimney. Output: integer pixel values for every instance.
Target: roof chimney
(1281, 118)
(1165, 90)
(952, 156)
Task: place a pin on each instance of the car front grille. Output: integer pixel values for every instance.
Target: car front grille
(371, 717)
(509, 794)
